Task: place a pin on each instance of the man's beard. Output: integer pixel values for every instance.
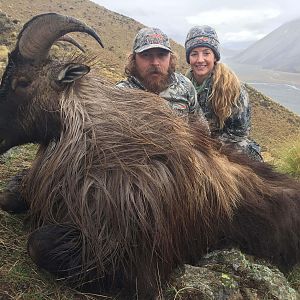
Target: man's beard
(155, 84)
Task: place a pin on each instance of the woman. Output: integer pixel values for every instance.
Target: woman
(223, 99)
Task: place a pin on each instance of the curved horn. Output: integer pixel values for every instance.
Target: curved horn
(39, 34)
(67, 38)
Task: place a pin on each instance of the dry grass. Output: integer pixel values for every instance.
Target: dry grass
(272, 124)
(19, 278)
(288, 157)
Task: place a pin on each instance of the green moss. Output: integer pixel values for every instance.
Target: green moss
(228, 281)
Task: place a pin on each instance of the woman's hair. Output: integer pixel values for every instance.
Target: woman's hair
(225, 93)
(130, 68)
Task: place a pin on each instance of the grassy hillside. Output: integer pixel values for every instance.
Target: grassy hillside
(117, 31)
(272, 124)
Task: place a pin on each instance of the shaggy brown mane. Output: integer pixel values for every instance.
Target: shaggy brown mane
(138, 182)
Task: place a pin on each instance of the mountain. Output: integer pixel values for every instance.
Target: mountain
(279, 50)
(227, 53)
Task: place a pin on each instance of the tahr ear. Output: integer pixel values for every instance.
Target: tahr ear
(72, 72)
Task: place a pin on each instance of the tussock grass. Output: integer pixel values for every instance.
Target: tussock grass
(288, 157)
(294, 278)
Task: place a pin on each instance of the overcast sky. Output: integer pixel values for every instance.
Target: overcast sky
(236, 21)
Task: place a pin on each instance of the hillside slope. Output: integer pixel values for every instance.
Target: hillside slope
(271, 124)
(279, 50)
(116, 31)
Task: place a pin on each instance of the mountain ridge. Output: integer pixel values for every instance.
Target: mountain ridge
(279, 50)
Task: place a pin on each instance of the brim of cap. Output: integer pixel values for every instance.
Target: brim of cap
(147, 47)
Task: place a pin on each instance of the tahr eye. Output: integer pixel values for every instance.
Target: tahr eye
(23, 83)
(20, 83)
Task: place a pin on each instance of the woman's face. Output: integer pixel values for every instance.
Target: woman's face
(202, 61)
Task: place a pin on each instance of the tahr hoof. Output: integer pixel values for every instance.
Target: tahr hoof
(56, 249)
(12, 202)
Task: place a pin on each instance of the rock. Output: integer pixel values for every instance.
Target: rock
(229, 275)
(5, 156)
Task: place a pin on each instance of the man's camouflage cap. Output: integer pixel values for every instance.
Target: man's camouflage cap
(148, 38)
(202, 36)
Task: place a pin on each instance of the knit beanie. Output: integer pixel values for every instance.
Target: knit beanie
(202, 36)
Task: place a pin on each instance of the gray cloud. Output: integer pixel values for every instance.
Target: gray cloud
(235, 21)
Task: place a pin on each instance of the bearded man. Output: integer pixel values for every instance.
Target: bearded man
(151, 67)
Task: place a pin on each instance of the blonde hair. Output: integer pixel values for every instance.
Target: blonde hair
(225, 93)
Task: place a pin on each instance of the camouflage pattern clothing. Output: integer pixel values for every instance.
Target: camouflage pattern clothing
(237, 127)
(149, 38)
(180, 94)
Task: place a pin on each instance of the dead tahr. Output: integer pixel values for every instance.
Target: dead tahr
(122, 190)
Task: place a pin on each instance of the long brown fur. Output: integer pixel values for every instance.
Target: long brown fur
(125, 173)
(142, 190)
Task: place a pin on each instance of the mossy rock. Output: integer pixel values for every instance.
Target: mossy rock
(229, 275)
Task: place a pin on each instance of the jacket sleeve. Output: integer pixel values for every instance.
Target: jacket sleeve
(195, 109)
(193, 103)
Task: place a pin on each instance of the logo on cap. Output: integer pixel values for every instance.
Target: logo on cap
(148, 38)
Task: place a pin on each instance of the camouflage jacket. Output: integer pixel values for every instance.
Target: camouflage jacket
(180, 93)
(237, 126)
